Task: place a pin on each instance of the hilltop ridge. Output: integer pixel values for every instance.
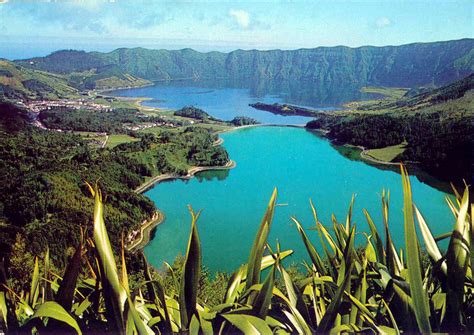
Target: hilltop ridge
(410, 65)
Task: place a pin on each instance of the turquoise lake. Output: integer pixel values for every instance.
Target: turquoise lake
(302, 165)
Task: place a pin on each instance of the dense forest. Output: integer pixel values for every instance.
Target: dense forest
(409, 65)
(110, 121)
(239, 121)
(193, 113)
(437, 125)
(44, 198)
(198, 114)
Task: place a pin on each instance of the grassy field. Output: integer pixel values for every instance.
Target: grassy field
(387, 154)
(214, 126)
(390, 92)
(117, 139)
(91, 136)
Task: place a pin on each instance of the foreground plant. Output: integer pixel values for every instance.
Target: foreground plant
(344, 288)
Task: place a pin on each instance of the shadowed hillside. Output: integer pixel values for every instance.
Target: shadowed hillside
(409, 65)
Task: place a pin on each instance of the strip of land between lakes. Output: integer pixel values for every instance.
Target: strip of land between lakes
(143, 236)
(191, 172)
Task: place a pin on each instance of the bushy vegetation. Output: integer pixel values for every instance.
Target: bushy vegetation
(18, 82)
(175, 152)
(344, 288)
(43, 196)
(438, 127)
(193, 113)
(110, 120)
(105, 77)
(239, 121)
(401, 66)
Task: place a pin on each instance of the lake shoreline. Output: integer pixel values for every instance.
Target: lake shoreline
(158, 218)
(191, 172)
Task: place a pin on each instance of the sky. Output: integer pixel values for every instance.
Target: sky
(36, 28)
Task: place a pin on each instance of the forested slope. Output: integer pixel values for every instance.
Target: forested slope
(44, 198)
(409, 65)
(438, 127)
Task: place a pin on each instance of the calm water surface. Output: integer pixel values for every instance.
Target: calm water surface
(302, 166)
(221, 102)
(299, 163)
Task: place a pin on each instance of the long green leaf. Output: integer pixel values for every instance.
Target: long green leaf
(234, 286)
(264, 297)
(296, 304)
(248, 324)
(376, 236)
(333, 308)
(418, 294)
(34, 288)
(68, 284)
(55, 311)
(3, 311)
(157, 295)
(430, 243)
(116, 299)
(139, 323)
(313, 254)
(256, 254)
(457, 259)
(190, 275)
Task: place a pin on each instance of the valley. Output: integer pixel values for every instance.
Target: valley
(157, 135)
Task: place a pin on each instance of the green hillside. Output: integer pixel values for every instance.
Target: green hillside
(19, 82)
(437, 126)
(105, 77)
(409, 65)
(46, 203)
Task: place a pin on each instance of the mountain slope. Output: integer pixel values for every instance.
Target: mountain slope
(409, 65)
(437, 128)
(19, 82)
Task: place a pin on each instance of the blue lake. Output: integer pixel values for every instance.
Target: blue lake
(301, 164)
(223, 103)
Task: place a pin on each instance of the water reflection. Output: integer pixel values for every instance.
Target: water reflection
(212, 175)
(353, 153)
(304, 93)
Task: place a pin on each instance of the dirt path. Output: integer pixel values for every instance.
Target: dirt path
(105, 141)
(191, 172)
(364, 155)
(145, 231)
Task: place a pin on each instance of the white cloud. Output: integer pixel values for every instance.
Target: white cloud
(383, 22)
(241, 17)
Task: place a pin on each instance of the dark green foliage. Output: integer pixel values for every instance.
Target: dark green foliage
(18, 82)
(110, 121)
(452, 91)
(66, 61)
(194, 113)
(43, 172)
(442, 146)
(440, 135)
(392, 66)
(5, 73)
(284, 109)
(36, 85)
(239, 121)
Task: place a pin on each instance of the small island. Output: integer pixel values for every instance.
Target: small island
(284, 109)
(200, 115)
